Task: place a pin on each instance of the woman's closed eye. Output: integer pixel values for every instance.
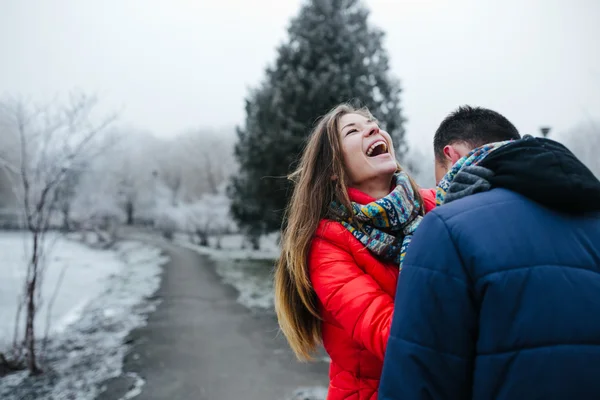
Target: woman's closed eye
(351, 131)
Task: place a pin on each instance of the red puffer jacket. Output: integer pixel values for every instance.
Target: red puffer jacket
(356, 295)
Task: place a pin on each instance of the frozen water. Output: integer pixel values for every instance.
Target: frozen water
(89, 348)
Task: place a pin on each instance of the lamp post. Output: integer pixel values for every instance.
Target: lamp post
(545, 131)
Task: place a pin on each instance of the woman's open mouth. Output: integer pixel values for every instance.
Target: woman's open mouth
(378, 148)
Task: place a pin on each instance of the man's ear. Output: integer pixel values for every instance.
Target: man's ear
(452, 154)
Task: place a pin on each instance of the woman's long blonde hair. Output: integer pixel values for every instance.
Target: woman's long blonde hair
(314, 189)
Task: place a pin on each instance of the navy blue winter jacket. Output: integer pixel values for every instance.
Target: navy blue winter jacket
(499, 296)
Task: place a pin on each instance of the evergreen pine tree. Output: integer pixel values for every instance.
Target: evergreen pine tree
(332, 55)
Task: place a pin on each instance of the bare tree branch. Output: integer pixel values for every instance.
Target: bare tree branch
(51, 142)
(8, 165)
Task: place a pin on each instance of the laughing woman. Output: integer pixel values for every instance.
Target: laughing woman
(351, 216)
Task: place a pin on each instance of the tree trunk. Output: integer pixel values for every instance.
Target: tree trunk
(129, 210)
(66, 226)
(30, 318)
(203, 236)
(255, 242)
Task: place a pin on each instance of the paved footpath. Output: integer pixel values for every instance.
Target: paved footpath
(201, 344)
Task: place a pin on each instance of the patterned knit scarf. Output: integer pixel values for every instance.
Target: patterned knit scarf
(385, 226)
(473, 158)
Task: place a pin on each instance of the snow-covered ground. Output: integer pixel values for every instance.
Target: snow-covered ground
(102, 296)
(310, 393)
(83, 273)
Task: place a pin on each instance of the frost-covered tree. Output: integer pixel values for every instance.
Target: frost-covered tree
(208, 158)
(332, 55)
(143, 179)
(420, 165)
(193, 169)
(584, 141)
(9, 160)
(211, 216)
(53, 140)
(123, 182)
(66, 191)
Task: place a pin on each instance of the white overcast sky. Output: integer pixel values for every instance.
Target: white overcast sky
(176, 64)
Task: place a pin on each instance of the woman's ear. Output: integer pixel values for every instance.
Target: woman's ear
(334, 177)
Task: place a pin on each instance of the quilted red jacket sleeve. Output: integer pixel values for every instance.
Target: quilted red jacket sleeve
(351, 296)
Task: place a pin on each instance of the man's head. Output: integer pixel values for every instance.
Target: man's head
(465, 129)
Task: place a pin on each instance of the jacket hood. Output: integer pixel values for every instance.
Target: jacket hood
(547, 172)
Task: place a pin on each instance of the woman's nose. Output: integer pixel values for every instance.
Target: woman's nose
(372, 131)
